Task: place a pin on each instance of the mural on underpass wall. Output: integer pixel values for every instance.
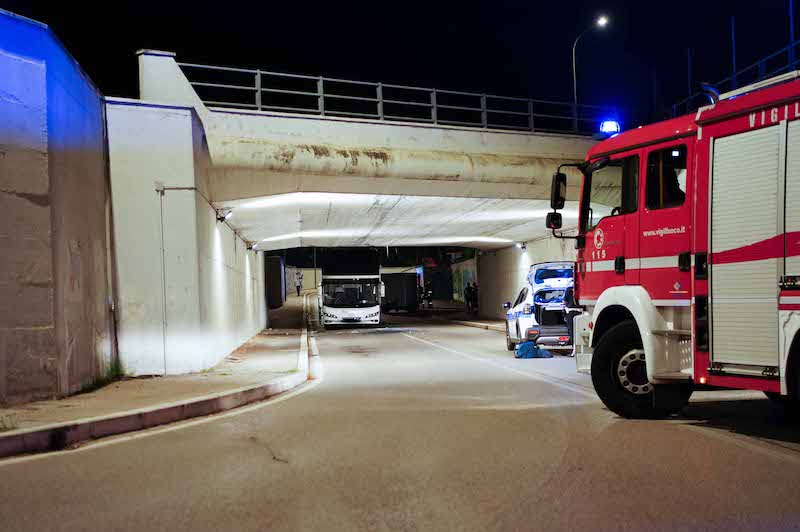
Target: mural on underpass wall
(463, 272)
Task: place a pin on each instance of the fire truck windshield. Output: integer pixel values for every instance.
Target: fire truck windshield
(610, 191)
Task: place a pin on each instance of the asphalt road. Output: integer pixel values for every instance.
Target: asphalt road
(426, 427)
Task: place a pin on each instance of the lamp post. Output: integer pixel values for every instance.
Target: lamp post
(601, 22)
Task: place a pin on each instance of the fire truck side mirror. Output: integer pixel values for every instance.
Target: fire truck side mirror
(558, 191)
(599, 164)
(554, 220)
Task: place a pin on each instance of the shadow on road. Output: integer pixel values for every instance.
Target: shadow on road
(754, 417)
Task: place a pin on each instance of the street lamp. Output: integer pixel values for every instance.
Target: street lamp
(601, 22)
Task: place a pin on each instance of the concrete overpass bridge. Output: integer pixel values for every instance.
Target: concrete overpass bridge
(330, 179)
(115, 245)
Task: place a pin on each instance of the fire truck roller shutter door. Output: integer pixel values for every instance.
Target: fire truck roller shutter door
(744, 288)
(790, 299)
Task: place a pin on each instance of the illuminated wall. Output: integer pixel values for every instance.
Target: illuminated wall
(55, 322)
(189, 290)
(463, 272)
(503, 273)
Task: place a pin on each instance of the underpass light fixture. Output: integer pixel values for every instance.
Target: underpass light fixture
(224, 217)
(521, 245)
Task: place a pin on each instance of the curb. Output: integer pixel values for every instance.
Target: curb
(485, 326)
(59, 436)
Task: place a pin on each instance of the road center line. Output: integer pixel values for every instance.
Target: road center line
(538, 376)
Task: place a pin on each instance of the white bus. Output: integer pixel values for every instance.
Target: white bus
(350, 299)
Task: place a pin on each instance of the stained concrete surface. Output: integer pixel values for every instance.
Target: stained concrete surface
(423, 426)
(55, 321)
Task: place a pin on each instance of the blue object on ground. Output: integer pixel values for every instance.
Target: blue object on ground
(530, 350)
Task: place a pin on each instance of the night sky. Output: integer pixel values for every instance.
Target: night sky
(515, 48)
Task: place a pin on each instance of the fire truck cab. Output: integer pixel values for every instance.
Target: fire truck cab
(688, 253)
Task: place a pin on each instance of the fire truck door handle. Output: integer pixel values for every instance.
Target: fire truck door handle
(685, 261)
(619, 265)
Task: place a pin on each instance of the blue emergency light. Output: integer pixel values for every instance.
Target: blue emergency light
(609, 127)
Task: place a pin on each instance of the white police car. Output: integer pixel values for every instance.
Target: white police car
(537, 314)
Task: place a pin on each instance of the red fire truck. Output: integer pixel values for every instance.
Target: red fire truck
(688, 253)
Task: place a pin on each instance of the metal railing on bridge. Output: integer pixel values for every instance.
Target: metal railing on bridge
(784, 60)
(265, 90)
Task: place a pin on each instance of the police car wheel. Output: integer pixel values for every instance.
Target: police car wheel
(509, 344)
(619, 373)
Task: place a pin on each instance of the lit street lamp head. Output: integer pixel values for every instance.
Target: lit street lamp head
(602, 21)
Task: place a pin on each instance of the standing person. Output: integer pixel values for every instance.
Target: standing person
(475, 297)
(298, 284)
(468, 296)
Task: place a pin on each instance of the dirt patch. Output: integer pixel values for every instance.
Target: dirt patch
(379, 156)
(318, 151)
(362, 350)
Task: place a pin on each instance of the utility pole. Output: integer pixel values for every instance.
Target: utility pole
(654, 75)
(733, 52)
(791, 33)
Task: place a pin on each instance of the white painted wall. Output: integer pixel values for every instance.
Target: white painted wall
(231, 282)
(502, 273)
(189, 290)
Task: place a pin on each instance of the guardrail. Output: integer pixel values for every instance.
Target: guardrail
(265, 90)
(784, 60)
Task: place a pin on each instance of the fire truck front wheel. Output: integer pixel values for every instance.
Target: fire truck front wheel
(619, 374)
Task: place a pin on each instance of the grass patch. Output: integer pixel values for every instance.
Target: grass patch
(115, 372)
(8, 422)
(294, 370)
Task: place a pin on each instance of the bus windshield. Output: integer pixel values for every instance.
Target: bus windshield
(350, 293)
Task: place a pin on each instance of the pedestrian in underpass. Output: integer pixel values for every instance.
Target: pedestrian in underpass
(468, 296)
(298, 284)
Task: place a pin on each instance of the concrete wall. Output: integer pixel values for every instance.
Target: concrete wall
(189, 290)
(55, 325)
(502, 273)
(308, 279)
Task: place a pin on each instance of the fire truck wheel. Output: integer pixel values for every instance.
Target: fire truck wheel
(619, 373)
(509, 344)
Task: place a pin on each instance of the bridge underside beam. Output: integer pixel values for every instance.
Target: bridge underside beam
(341, 219)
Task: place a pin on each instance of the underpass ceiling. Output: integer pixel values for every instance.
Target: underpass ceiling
(332, 219)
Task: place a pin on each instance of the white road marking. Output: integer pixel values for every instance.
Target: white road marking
(764, 447)
(538, 376)
(179, 425)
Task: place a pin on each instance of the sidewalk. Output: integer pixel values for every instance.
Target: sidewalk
(470, 320)
(454, 312)
(269, 358)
